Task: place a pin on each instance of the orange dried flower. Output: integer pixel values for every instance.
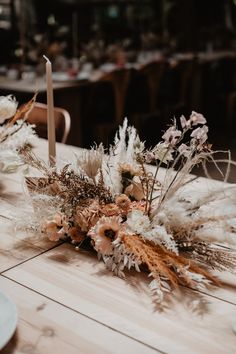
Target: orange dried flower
(86, 217)
(76, 234)
(59, 219)
(52, 231)
(123, 201)
(110, 209)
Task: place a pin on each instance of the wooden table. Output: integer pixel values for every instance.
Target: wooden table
(69, 303)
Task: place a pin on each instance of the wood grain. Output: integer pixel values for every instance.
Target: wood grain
(227, 290)
(47, 327)
(189, 323)
(69, 303)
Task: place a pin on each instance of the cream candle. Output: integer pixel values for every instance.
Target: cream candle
(50, 114)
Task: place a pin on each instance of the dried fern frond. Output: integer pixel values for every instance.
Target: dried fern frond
(23, 112)
(212, 256)
(162, 263)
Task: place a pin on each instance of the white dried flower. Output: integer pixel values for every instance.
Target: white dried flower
(200, 134)
(162, 152)
(184, 122)
(8, 107)
(137, 222)
(184, 150)
(9, 161)
(197, 118)
(17, 135)
(160, 236)
(171, 135)
(139, 146)
(91, 161)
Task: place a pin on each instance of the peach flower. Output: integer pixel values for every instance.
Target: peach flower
(52, 231)
(110, 209)
(103, 233)
(75, 234)
(87, 216)
(123, 201)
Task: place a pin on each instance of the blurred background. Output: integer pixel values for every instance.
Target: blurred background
(148, 60)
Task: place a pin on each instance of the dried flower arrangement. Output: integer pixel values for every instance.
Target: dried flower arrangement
(132, 213)
(15, 134)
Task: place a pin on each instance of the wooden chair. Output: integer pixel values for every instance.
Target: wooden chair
(119, 80)
(178, 94)
(231, 111)
(115, 84)
(143, 94)
(153, 72)
(38, 116)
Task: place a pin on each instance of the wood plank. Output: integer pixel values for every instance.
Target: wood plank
(46, 327)
(189, 323)
(15, 249)
(17, 246)
(227, 291)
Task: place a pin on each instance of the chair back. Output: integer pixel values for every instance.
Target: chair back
(185, 69)
(105, 107)
(153, 72)
(38, 116)
(119, 80)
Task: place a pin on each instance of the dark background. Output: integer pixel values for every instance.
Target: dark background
(186, 24)
(176, 26)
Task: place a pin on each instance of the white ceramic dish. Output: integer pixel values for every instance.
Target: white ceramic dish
(8, 319)
(60, 76)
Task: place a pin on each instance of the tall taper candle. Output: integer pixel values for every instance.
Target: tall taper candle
(50, 114)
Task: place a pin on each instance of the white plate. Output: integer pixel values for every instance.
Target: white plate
(60, 76)
(8, 319)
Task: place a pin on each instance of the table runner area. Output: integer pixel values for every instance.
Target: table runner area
(69, 303)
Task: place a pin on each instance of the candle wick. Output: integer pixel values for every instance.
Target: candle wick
(46, 58)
